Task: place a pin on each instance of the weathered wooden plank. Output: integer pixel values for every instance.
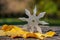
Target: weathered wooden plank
(57, 29)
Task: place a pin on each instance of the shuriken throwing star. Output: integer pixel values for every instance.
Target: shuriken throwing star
(33, 20)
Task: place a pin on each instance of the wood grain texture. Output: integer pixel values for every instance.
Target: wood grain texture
(57, 29)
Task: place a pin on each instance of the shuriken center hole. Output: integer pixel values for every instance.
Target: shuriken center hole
(33, 20)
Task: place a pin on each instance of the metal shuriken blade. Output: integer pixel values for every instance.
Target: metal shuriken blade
(33, 20)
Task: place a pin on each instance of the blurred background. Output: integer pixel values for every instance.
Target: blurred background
(11, 10)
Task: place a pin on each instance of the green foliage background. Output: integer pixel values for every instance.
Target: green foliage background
(51, 7)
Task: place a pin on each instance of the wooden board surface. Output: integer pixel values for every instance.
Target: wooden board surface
(57, 29)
